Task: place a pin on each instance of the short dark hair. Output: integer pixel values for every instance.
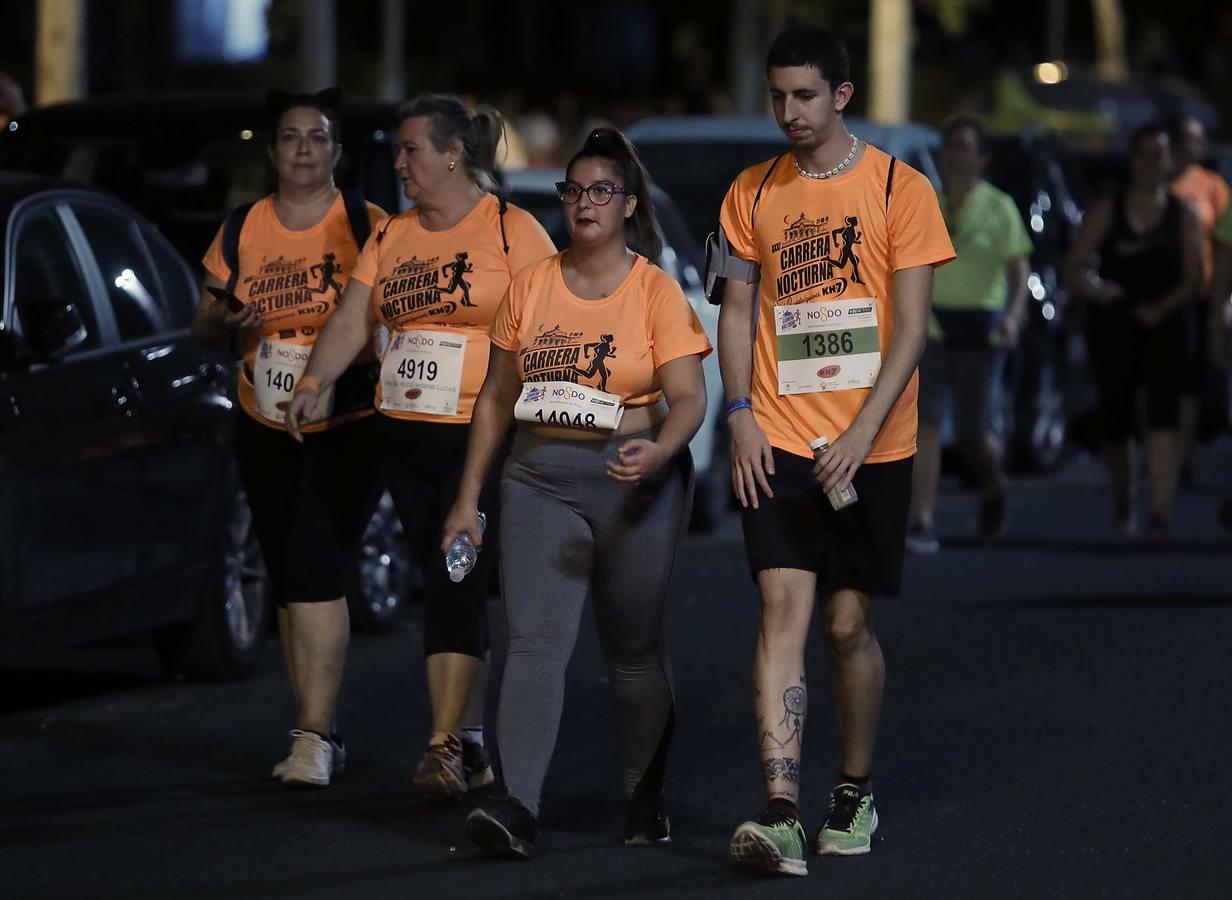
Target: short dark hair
(327, 102)
(972, 124)
(811, 45)
(613, 147)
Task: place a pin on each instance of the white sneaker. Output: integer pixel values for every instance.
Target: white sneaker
(313, 760)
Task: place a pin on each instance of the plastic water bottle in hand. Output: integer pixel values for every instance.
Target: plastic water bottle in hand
(462, 553)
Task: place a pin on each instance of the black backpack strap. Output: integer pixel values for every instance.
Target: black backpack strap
(503, 207)
(761, 187)
(357, 215)
(890, 180)
(380, 235)
(231, 228)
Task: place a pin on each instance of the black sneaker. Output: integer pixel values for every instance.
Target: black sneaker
(502, 827)
(646, 821)
(992, 517)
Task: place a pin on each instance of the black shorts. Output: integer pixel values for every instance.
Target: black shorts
(858, 548)
(311, 503)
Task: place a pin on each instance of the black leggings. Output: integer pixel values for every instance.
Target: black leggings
(310, 502)
(1126, 357)
(422, 462)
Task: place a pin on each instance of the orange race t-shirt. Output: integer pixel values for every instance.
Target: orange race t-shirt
(828, 251)
(436, 292)
(1209, 194)
(615, 344)
(295, 279)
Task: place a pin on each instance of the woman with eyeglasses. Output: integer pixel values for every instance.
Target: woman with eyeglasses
(434, 276)
(596, 355)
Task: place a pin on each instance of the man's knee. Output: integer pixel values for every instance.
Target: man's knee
(847, 623)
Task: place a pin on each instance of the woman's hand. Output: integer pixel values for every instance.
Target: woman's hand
(463, 518)
(302, 408)
(639, 458)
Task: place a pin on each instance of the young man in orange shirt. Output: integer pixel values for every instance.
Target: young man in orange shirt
(846, 239)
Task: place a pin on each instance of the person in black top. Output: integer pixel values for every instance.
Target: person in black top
(1137, 261)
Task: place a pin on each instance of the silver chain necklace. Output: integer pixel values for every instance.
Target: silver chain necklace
(819, 176)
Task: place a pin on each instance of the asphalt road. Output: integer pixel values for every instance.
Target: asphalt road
(1057, 724)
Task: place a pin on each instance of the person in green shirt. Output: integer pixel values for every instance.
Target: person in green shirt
(978, 303)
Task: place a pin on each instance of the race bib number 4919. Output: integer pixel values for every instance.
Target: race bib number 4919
(828, 346)
(422, 372)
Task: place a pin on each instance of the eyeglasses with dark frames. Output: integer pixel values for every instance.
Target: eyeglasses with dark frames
(600, 193)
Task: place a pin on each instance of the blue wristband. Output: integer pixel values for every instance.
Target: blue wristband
(738, 404)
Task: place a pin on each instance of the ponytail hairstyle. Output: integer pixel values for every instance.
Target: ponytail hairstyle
(642, 229)
(480, 132)
(327, 102)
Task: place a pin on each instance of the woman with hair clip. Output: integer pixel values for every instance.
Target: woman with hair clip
(433, 276)
(597, 355)
(274, 275)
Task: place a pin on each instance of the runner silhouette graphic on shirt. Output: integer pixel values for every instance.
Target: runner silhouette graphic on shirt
(851, 237)
(603, 349)
(457, 269)
(325, 270)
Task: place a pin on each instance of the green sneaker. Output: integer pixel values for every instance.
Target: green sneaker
(771, 844)
(849, 826)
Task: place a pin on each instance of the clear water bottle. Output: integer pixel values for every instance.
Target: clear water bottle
(462, 553)
(840, 498)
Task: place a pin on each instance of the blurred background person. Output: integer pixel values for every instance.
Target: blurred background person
(1208, 193)
(1138, 262)
(978, 305)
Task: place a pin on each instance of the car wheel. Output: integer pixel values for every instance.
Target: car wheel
(385, 576)
(229, 634)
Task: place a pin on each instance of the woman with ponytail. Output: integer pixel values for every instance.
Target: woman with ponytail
(596, 354)
(434, 276)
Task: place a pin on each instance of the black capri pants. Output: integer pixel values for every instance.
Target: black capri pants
(1127, 357)
(311, 503)
(422, 463)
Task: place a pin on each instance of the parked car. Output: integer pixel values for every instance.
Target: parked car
(185, 186)
(696, 158)
(120, 506)
(535, 191)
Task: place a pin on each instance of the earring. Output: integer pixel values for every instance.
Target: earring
(452, 165)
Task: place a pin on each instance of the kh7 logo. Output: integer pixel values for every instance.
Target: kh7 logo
(413, 394)
(828, 371)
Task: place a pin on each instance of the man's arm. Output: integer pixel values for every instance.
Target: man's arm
(913, 290)
(751, 457)
(1016, 270)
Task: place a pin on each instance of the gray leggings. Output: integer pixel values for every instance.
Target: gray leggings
(568, 530)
